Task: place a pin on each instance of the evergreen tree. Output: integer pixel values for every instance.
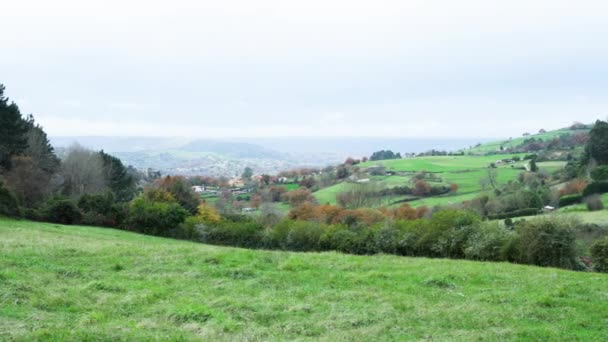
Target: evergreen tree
(597, 146)
(118, 178)
(13, 129)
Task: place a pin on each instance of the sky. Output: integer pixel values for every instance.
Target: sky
(344, 68)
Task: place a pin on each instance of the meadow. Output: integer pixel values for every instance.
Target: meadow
(74, 283)
(465, 171)
(510, 143)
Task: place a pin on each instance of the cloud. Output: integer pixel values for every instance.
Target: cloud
(316, 67)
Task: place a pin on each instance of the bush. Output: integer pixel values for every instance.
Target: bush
(297, 235)
(156, 218)
(445, 233)
(8, 203)
(514, 213)
(487, 242)
(594, 203)
(600, 173)
(547, 242)
(354, 240)
(599, 253)
(596, 188)
(570, 199)
(101, 210)
(59, 210)
(244, 233)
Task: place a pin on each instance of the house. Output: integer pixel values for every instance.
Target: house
(236, 182)
(199, 189)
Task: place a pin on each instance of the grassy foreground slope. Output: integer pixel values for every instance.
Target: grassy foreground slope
(82, 283)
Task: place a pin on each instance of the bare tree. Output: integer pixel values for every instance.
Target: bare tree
(82, 172)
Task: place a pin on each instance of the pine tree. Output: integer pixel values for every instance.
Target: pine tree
(13, 129)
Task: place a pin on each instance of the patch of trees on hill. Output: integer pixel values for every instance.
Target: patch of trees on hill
(384, 155)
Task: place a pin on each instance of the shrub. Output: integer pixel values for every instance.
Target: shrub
(101, 210)
(207, 214)
(594, 203)
(596, 188)
(599, 253)
(487, 242)
(60, 210)
(152, 217)
(514, 213)
(241, 233)
(8, 202)
(354, 240)
(547, 242)
(600, 173)
(443, 236)
(298, 235)
(570, 199)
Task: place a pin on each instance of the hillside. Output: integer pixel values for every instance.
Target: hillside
(84, 283)
(468, 170)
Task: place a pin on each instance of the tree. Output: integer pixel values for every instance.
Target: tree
(29, 183)
(82, 172)
(597, 146)
(299, 196)
(31, 172)
(13, 129)
(39, 147)
(118, 178)
(533, 166)
(179, 188)
(247, 173)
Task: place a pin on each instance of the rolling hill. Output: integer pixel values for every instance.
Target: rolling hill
(74, 283)
(466, 170)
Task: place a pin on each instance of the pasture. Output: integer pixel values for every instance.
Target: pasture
(74, 283)
(468, 172)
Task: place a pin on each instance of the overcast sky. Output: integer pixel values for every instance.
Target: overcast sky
(305, 68)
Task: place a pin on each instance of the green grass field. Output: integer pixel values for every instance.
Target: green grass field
(439, 163)
(495, 146)
(466, 171)
(72, 283)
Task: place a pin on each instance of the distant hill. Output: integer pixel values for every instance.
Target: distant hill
(233, 149)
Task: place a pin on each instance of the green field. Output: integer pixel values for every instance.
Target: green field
(71, 283)
(466, 171)
(493, 147)
(440, 163)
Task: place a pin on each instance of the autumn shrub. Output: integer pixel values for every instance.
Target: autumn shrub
(573, 187)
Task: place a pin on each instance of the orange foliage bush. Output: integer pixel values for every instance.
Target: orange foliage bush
(573, 187)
